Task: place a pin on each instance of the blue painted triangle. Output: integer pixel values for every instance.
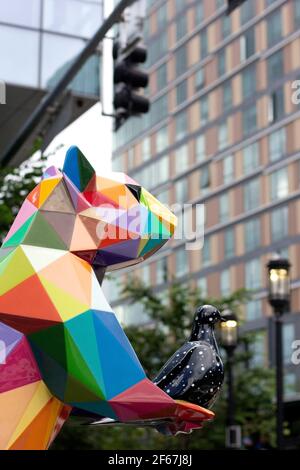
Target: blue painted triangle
(120, 366)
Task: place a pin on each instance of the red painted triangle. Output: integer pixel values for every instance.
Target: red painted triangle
(29, 299)
(143, 401)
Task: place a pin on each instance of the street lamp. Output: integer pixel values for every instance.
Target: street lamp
(229, 341)
(279, 297)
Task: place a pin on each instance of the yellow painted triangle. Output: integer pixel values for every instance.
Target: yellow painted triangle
(14, 269)
(46, 188)
(67, 306)
(161, 211)
(142, 244)
(39, 399)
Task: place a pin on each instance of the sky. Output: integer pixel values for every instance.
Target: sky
(92, 133)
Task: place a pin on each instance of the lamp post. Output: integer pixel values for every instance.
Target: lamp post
(229, 341)
(279, 296)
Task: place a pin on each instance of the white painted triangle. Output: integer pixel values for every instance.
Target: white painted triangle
(99, 301)
(40, 257)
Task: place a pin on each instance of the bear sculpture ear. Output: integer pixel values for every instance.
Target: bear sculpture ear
(78, 169)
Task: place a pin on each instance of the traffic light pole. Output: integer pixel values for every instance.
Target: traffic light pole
(62, 84)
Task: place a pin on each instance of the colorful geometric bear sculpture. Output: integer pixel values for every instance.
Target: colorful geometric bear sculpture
(61, 346)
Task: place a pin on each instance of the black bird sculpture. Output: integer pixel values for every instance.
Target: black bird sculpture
(195, 372)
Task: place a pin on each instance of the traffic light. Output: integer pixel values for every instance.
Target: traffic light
(128, 80)
(233, 4)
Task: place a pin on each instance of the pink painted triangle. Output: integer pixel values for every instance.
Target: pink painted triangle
(20, 368)
(143, 401)
(79, 201)
(24, 213)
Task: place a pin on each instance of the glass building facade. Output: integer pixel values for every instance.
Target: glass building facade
(223, 130)
(39, 39)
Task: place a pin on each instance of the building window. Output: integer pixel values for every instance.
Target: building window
(161, 170)
(157, 48)
(252, 194)
(247, 12)
(224, 208)
(26, 14)
(161, 77)
(279, 184)
(181, 159)
(181, 257)
(291, 388)
(204, 110)
(279, 223)
(274, 27)
(161, 271)
(219, 4)
(249, 81)
(252, 233)
(249, 120)
(181, 27)
(225, 282)
(163, 197)
(181, 125)
(202, 286)
(253, 274)
(253, 310)
(162, 139)
(199, 14)
(297, 14)
(146, 149)
(227, 95)
(276, 105)
(199, 80)
(247, 45)
(204, 179)
(130, 158)
(288, 334)
(159, 109)
(258, 349)
(225, 26)
(206, 256)
(222, 62)
(228, 169)
(162, 16)
(181, 191)
(250, 158)
(200, 148)
(229, 243)
(275, 66)
(277, 144)
(203, 44)
(223, 135)
(181, 60)
(181, 92)
(145, 271)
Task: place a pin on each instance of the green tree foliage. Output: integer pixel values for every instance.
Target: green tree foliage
(15, 184)
(170, 323)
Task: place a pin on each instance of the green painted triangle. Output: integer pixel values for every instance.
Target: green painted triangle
(80, 328)
(78, 368)
(152, 243)
(75, 391)
(143, 199)
(51, 341)
(86, 171)
(41, 233)
(5, 252)
(19, 235)
(14, 270)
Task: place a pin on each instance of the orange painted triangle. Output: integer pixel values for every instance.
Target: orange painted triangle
(34, 196)
(82, 239)
(37, 435)
(29, 299)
